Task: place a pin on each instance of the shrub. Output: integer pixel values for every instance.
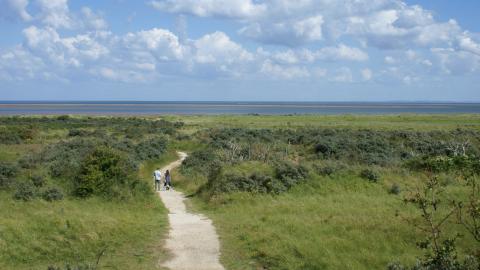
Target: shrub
(394, 189)
(52, 194)
(24, 192)
(105, 172)
(370, 175)
(256, 183)
(201, 161)
(290, 173)
(63, 117)
(150, 149)
(38, 180)
(7, 172)
(326, 170)
(325, 149)
(77, 132)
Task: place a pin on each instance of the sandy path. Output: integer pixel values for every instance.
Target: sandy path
(192, 239)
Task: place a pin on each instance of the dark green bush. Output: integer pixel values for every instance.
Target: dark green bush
(200, 161)
(325, 170)
(17, 134)
(105, 172)
(78, 133)
(8, 171)
(150, 149)
(289, 173)
(370, 175)
(256, 183)
(37, 180)
(52, 194)
(24, 192)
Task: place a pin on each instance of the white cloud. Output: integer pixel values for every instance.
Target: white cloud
(160, 43)
(55, 13)
(341, 52)
(466, 43)
(343, 74)
(239, 9)
(390, 60)
(456, 62)
(283, 72)
(93, 20)
(14, 9)
(290, 33)
(367, 74)
(219, 48)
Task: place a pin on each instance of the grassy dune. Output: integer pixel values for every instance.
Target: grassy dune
(338, 222)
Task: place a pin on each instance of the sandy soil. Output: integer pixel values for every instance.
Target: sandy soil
(192, 239)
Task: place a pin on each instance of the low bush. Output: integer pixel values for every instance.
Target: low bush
(370, 175)
(200, 161)
(8, 171)
(24, 192)
(325, 170)
(106, 172)
(289, 173)
(394, 189)
(150, 149)
(37, 180)
(52, 194)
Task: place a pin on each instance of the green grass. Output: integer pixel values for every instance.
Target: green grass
(338, 222)
(37, 234)
(389, 122)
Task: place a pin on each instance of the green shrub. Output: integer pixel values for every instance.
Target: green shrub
(37, 180)
(77, 133)
(24, 192)
(325, 170)
(289, 173)
(52, 194)
(8, 171)
(370, 175)
(200, 161)
(151, 149)
(105, 172)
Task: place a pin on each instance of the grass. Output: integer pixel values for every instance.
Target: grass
(337, 222)
(385, 122)
(37, 234)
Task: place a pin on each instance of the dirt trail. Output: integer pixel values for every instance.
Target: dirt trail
(192, 239)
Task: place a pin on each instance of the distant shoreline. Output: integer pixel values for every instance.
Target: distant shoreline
(233, 108)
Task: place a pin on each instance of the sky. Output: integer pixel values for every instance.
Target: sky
(240, 50)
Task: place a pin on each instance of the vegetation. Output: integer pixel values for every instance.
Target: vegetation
(294, 196)
(72, 188)
(284, 192)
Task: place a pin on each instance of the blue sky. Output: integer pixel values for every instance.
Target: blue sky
(278, 50)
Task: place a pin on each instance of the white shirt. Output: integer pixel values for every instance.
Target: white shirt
(157, 174)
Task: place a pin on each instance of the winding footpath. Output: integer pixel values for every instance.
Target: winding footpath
(192, 240)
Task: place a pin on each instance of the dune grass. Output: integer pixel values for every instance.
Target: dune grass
(338, 222)
(38, 234)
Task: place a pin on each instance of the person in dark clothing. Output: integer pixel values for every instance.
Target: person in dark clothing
(168, 180)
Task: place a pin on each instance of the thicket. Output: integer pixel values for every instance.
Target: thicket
(327, 150)
(8, 171)
(98, 156)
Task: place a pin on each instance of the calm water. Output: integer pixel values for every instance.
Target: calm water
(155, 108)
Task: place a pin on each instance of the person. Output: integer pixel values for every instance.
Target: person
(157, 175)
(168, 182)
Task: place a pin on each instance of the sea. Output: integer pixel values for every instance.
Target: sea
(121, 108)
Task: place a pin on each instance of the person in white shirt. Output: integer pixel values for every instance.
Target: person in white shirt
(157, 176)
